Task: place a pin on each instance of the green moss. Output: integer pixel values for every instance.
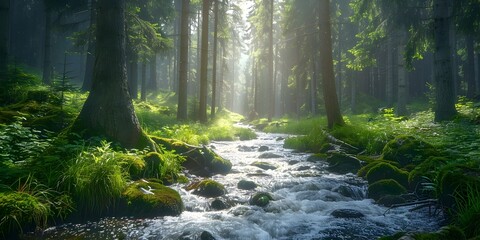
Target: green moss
(384, 187)
(408, 150)
(133, 164)
(387, 171)
(427, 168)
(207, 188)
(362, 172)
(148, 199)
(260, 199)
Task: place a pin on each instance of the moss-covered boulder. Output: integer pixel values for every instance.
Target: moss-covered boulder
(149, 199)
(153, 165)
(207, 188)
(133, 164)
(343, 163)
(264, 165)
(246, 185)
(199, 161)
(387, 171)
(385, 187)
(260, 199)
(408, 150)
(427, 169)
(362, 172)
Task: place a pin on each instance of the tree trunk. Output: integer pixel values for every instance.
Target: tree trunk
(328, 78)
(401, 109)
(152, 83)
(204, 64)
(4, 37)
(47, 61)
(470, 67)
(271, 93)
(133, 79)
(87, 79)
(108, 110)
(389, 77)
(183, 65)
(214, 67)
(445, 95)
(143, 90)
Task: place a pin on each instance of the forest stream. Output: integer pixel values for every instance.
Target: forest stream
(308, 203)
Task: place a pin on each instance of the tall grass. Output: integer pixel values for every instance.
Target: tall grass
(96, 179)
(468, 210)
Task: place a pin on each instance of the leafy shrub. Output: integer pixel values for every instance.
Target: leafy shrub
(468, 211)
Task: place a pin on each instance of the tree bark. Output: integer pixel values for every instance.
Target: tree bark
(183, 65)
(143, 86)
(133, 79)
(445, 93)
(402, 89)
(470, 67)
(389, 77)
(271, 93)
(4, 37)
(214, 65)
(152, 83)
(87, 79)
(108, 110)
(328, 78)
(204, 64)
(47, 61)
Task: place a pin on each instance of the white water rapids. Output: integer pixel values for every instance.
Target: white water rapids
(305, 195)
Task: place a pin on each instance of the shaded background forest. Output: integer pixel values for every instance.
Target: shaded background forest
(383, 51)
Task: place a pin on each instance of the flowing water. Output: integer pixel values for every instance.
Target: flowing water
(305, 194)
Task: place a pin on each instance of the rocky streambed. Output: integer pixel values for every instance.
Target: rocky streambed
(269, 193)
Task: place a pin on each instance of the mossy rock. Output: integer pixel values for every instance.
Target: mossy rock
(445, 233)
(246, 185)
(427, 169)
(264, 165)
(260, 199)
(385, 187)
(149, 199)
(387, 171)
(408, 150)
(362, 172)
(456, 180)
(200, 161)
(207, 188)
(318, 157)
(21, 211)
(133, 164)
(343, 163)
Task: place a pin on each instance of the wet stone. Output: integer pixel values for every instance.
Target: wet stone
(243, 148)
(246, 185)
(264, 165)
(293, 162)
(263, 148)
(219, 204)
(269, 155)
(347, 213)
(303, 168)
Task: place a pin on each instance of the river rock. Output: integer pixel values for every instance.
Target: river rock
(264, 165)
(347, 213)
(260, 199)
(316, 158)
(293, 162)
(350, 192)
(219, 204)
(200, 235)
(246, 185)
(269, 155)
(207, 188)
(263, 148)
(303, 168)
